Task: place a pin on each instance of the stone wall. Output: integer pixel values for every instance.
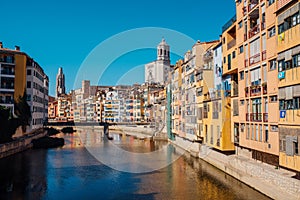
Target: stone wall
(20, 143)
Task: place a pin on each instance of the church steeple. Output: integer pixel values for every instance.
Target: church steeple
(163, 51)
(60, 83)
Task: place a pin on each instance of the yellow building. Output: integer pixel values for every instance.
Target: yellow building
(288, 25)
(230, 112)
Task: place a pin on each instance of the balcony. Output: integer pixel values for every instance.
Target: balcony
(265, 117)
(231, 44)
(255, 90)
(254, 117)
(6, 101)
(7, 72)
(254, 59)
(229, 23)
(254, 30)
(244, 10)
(11, 86)
(252, 5)
(264, 55)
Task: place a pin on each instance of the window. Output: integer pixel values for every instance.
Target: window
(248, 132)
(233, 54)
(260, 133)
(273, 99)
(242, 102)
(295, 19)
(240, 24)
(266, 133)
(274, 128)
(281, 65)
(281, 28)
(271, 31)
(241, 49)
(199, 91)
(224, 59)
(242, 75)
(28, 84)
(288, 23)
(270, 2)
(229, 61)
(272, 64)
(28, 72)
(296, 60)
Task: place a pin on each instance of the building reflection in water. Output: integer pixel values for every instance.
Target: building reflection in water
(72, 172)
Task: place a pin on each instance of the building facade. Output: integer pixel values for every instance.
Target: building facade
(256, 43)
(288, 62)
(21, 74)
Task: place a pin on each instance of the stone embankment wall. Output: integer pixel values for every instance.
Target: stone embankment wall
(20, 143)
(275, 183)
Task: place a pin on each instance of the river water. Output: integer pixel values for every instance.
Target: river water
(72, 172)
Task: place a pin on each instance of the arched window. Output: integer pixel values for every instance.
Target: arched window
(160, 52)
(165, 52)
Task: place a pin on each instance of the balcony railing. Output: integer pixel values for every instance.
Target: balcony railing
(255, 90)
(254, 59)
(6, 101)
(265, 117)
(254, 117)
(255, 30)
(231, 44)
(7, 87)
(264, 55)
(7, 72)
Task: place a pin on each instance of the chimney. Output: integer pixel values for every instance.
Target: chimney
(1, 45)
(17, 48)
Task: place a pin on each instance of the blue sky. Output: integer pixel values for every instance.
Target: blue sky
(63, 33)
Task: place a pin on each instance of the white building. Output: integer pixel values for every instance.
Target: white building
(157, 71)
(37, 92)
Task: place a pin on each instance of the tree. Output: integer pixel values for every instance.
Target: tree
(8, 124)
(23, 112)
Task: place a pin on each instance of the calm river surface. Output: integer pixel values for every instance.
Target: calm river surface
(72, 172)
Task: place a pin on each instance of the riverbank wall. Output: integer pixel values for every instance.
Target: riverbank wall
(21, 143)
(275, 183)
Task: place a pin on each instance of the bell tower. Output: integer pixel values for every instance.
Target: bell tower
(163, 51)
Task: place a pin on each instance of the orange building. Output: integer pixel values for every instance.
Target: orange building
(257, 77)
(288, 60)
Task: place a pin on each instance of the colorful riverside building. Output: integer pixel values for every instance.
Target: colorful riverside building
(256, 127)
(288, 62)
(20, 72)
